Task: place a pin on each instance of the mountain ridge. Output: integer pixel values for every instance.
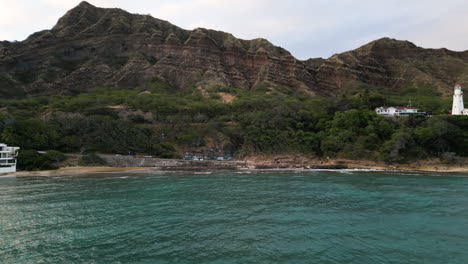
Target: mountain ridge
(91, 47)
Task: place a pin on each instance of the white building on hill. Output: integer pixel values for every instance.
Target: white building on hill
(397, 111)
(458, 108)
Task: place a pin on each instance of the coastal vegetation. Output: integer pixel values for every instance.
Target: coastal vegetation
(91, 159)
(33, 160)
(166, 122)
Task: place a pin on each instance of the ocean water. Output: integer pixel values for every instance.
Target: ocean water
(306, 217)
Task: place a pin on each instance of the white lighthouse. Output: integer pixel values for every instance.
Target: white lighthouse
(458, 107)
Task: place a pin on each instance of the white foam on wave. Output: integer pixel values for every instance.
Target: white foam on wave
(203, 173)
(344, 171)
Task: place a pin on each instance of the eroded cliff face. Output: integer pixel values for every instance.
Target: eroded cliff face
(389, 64)
(92, 47)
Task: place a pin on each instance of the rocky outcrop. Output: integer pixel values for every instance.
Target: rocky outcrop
(91, 47)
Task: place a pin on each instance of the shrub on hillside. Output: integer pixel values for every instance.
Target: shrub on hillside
(91, 159)
(32, 160)
(55, 156)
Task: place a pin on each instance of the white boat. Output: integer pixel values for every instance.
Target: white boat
(8, 158)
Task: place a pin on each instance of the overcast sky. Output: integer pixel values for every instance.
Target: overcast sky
(307, 28)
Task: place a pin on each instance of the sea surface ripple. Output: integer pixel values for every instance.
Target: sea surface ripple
(307, 217)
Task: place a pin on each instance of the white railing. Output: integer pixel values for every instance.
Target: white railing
(7, 161)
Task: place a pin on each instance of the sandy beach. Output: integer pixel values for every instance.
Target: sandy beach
(76, 171)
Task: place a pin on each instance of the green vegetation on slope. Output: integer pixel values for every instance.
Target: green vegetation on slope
(158, 122)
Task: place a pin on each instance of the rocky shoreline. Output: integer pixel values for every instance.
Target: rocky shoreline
(127, 164)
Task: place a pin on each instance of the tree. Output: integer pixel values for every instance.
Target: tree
(32, 160)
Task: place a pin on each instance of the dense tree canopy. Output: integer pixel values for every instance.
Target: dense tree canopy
(163, 123)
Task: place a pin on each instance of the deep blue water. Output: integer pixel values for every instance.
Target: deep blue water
(313, 217)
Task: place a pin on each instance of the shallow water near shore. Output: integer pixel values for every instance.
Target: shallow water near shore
(230, 217)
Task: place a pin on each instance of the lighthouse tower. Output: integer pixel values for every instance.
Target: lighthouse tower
(458, 107)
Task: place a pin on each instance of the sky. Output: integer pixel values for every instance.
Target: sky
(307, 28)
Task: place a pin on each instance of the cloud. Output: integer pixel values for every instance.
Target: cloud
(306, 28)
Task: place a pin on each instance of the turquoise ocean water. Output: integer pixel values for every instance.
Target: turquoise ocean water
(307, 217)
